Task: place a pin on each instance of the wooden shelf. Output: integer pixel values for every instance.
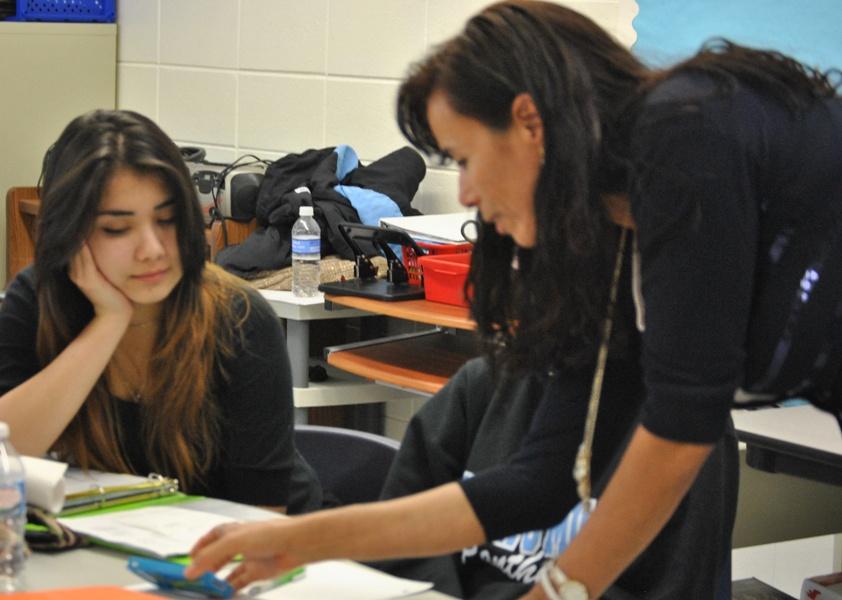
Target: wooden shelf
(422, 363)
(422, 311)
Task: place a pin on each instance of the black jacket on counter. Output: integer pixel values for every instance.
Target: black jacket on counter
(396, 175)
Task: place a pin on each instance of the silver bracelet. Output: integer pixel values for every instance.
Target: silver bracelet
(546, 582)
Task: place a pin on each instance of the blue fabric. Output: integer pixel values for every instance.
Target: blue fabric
(346, 161)
(371, 206)
(794, 402)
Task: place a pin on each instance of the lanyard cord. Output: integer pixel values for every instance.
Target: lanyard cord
(582, 466)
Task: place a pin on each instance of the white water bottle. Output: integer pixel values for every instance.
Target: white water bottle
(12, 514)
(306, 252)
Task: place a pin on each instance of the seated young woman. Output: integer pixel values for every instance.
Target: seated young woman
(122, 350)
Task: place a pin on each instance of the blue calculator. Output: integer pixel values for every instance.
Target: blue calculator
(170, 576)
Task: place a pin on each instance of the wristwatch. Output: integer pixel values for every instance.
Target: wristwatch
(557, 586)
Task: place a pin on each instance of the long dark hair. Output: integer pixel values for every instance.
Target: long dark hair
(587, 88)
(180, 426)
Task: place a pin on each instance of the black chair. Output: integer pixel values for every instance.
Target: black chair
(351, 465)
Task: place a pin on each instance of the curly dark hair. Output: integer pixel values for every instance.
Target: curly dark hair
(588, 89)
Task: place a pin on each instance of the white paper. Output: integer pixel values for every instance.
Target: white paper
(44, 483)
(344, 580)
(162, 531)
(445, 228)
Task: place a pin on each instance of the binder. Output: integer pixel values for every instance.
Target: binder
(51, 486)
(100, 497)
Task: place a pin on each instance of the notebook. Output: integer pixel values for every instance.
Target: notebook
(160, 531)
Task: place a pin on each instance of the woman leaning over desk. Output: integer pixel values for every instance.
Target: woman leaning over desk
(560, 133)
(121, 350)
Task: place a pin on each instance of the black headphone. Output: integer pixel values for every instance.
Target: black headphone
(192, 154)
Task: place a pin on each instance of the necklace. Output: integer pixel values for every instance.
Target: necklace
(132, 378)
(582, 466)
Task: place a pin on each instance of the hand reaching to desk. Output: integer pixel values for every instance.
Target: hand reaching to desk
(264, 546)
(436, 521)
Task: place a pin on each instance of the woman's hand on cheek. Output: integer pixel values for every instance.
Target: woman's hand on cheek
(106, 298)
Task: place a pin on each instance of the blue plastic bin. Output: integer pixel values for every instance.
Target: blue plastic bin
(78, 11)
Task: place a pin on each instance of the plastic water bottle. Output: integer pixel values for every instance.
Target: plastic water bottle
(306, 253)
(12, 514)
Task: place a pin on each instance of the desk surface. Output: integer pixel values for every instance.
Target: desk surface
(422, 311)
(98, 566)
(804, 426)
(288, 306)
(797, 440)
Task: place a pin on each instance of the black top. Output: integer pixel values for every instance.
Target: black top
(473, 423)
(715, 174)
(724, 183)
(256, 462)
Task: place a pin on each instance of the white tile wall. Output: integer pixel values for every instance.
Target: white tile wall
(137, 34)
(301, 101)
(137, 88)
(395, 35)
(198, 105)
(200, 32)
(284, 35)
(277, 76)
(445, 18)
(361, 113)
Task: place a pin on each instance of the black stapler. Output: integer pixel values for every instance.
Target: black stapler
(366, 241)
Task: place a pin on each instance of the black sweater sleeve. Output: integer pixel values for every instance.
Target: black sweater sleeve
(18, 326)
(697, 233)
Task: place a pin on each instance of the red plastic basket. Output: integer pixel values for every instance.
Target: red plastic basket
(444, 277)
(415, 269)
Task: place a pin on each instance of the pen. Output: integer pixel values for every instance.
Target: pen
(288, 577)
